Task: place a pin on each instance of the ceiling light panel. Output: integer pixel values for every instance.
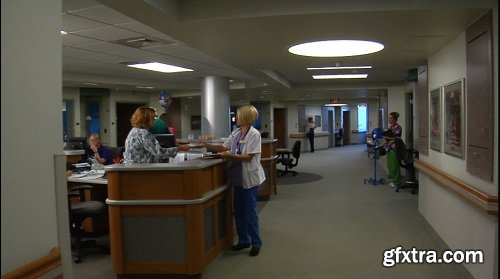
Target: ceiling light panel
(336, 48)
(159, 67)
(347, 76)
(339, 68)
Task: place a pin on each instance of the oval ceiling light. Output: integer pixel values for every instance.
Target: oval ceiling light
(336, 48)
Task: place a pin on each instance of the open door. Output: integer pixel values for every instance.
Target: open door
(279, 127)
(346, 125)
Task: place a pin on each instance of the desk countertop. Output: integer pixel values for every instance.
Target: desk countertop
(74, 152)
(217, 141)
(185, 165)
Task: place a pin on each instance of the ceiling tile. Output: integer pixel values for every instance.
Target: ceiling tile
(103, 14)
(73, 23)
(108, 33)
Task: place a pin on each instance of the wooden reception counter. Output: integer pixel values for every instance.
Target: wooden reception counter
(268, 160)
(168, 219)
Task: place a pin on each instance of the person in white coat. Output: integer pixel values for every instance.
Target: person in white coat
(243, 149)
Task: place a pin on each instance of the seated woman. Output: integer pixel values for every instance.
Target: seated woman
(98, 151)
(140, 145)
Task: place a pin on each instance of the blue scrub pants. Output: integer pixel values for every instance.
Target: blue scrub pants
(245, 216)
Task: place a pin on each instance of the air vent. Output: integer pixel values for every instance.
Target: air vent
(143, 42)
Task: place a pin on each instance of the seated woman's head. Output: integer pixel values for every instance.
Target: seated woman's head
(94, 139)
(143, 117)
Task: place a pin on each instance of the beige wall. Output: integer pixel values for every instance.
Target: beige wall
(33, 218)
(461, 225)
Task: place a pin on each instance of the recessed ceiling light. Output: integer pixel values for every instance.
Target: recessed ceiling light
(63, 32)
(339, 68)
(335, 105)
(336, 48)
(160, 67)
(339, 76)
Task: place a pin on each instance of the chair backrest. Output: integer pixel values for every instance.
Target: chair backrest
(404, 155)
(341, 132)
(296, 149)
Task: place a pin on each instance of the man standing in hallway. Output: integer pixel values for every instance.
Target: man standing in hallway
(310, 132)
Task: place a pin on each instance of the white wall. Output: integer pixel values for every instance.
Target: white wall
(73, 94)
(461, 225)
(31, 130)
(396, 102)
(189, 107)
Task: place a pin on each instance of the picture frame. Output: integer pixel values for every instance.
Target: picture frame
(454, 138)
(317, 120)
(195, 122)
(435, 104)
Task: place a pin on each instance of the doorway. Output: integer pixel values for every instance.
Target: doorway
(409, 120)
(279, 127)
(346, 126)
(123, 113)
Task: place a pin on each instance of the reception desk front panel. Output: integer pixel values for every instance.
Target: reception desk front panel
(168, 218)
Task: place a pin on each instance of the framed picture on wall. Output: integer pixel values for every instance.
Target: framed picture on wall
(317, 120)
(195, 122)
(435, 100)
(454, 118)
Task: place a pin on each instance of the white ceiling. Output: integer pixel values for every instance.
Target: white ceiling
(247, 41)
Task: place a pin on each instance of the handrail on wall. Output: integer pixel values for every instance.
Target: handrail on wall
(478, 198)
(37, 267)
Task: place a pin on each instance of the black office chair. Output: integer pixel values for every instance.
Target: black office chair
(78, 212)
(338, 137)
(405, 158)
(291, 162)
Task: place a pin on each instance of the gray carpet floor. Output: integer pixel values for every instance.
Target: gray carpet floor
(326, 223)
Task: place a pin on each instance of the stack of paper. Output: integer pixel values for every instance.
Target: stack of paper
(180, 157)
(191, 156)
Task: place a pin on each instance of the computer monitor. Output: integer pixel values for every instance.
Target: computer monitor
(165, 140)
(76, 143)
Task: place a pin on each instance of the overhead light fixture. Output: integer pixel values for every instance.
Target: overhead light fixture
(144, 87)
(63, 32)
(160, 67)
(335, 103)
(90, 83)
(339, 68)
(340, 76)
(336, 48)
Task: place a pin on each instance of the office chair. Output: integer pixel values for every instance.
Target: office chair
(290, 163)
(405, 158)
(338, 137)
(78, 212)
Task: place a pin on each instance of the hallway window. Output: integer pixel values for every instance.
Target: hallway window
(93, 119)
(362, 118)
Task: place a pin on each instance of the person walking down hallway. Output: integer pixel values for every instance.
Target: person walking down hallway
(243, 148)
(311, 125)
(394, 131)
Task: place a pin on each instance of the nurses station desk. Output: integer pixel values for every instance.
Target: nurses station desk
(168, 219)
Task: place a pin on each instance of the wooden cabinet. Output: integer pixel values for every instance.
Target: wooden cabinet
(480, 118)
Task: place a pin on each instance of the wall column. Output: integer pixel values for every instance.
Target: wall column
(215, 106)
